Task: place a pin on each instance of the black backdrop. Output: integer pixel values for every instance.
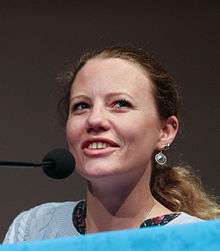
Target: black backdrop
(37, 38)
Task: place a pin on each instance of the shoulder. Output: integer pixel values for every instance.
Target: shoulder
(44, 221)
(47, 209)
(184, 218)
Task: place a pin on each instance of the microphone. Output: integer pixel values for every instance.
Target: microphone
(58, 163)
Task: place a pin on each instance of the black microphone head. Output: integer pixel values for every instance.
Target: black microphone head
(58, 163)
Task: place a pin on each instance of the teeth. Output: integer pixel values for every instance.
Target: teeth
(98, 145)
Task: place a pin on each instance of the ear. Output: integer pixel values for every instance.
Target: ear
(169, 129)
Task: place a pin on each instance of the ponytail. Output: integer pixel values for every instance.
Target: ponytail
(178, 189)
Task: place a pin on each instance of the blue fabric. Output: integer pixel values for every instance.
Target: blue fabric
(203, 236)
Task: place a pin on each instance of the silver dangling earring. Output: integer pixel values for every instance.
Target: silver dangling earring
(160, 157)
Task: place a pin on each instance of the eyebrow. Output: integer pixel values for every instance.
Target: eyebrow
(79, 96)
(112, 94)
(109, 95)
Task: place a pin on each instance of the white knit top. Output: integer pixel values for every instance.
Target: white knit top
(54, 220)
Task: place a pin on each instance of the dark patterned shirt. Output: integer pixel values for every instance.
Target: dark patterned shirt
(79, 218)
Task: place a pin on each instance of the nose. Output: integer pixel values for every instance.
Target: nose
(97, 120)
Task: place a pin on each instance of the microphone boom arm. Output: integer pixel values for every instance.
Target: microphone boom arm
(24, 164)
(58, 163)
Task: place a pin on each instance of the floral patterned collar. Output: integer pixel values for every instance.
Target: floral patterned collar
(79, 216)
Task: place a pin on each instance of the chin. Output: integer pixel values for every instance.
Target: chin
(98, 170)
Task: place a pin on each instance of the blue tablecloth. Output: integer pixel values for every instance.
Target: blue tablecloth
(194, 237)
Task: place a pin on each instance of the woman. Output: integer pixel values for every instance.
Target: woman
(121, 116)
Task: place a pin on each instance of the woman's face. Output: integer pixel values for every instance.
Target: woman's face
(113, 126)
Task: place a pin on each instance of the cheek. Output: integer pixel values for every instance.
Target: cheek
(141, 135)
(73, 135)
(73, 132)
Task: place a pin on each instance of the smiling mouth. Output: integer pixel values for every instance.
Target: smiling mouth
(99, 151)
(98, 145)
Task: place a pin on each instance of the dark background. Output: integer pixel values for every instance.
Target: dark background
(38, 38)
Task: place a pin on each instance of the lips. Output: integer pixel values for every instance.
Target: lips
(86, 143)
(99, 152)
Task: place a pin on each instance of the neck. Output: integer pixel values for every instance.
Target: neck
(120, 204)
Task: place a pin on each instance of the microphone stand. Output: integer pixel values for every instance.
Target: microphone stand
(24, 164)
(58, 163)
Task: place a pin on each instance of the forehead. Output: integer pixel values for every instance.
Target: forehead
(112, 74)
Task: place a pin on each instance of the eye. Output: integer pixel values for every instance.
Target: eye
(122, 103)
(80, 106)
